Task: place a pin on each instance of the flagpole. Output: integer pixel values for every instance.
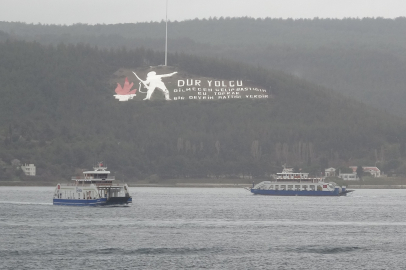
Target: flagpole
(166, 36)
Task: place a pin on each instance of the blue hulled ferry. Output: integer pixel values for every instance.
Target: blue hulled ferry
(94, 188)
(288, 183)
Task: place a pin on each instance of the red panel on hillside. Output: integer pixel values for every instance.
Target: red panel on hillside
(126, 89)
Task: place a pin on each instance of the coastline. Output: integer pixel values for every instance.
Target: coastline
(194, 185)
(186, 185)
(376, 187)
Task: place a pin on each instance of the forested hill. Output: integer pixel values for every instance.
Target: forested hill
(362, 58)
(57, 111)
(4, 36)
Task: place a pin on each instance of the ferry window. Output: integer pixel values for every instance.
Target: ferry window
(276, 187)
(283, 187)
(312, 187)
(290, 187)
(297, 187)
(304, 187)
(270, 187)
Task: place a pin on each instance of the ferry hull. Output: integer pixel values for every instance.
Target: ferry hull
(76, 202)
(119, 200)
(95, 202)
(298, 192)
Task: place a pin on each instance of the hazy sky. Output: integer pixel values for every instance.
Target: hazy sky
(126, 11)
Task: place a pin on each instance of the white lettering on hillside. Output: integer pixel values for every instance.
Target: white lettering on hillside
(193, 82)
(198, 89)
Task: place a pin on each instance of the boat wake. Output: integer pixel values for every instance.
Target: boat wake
(114, 205)
(326, 250)
(25, 203)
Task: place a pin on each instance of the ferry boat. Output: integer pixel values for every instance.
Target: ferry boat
(288, 183)
(92, 189)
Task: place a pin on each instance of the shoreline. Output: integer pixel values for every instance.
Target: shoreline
(194, 185)
(186, 185)
(376, 187)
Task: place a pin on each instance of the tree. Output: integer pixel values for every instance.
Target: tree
(360, 172)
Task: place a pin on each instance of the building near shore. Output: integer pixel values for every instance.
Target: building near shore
(349, 176)
(373, 171)
(29, 169)
(330, 172)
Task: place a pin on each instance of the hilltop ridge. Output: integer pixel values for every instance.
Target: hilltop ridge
(363, 59)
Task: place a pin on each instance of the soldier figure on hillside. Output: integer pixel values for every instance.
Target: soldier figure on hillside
(155, 81)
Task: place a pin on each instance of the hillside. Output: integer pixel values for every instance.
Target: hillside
(363, 59)
(57, 111)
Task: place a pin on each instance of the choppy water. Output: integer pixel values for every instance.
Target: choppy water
(178, 228)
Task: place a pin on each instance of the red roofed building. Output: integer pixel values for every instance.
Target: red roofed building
(374, 171)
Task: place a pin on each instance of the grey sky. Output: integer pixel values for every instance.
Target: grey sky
(126, 11)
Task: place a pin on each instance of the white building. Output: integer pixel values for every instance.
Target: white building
(374, 171)
(29, 169)
(349, 176)
(329, 172)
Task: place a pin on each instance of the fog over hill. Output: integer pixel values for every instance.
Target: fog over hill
(364, 59)
(58, 111)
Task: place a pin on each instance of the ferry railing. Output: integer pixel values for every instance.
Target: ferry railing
(108, 185)
(97, 185)
(81, 178)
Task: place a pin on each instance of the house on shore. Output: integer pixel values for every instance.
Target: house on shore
(374, 171)
(349, 176)
(330, 172)
(29, 169)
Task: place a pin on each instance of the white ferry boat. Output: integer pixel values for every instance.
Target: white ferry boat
(288, 183)
(93, 188)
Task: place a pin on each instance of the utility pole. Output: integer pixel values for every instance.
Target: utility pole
(166, 36)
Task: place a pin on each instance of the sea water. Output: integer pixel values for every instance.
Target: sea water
(204, 228)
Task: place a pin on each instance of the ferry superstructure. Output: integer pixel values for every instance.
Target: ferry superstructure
(93, 188)
(288, 183)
